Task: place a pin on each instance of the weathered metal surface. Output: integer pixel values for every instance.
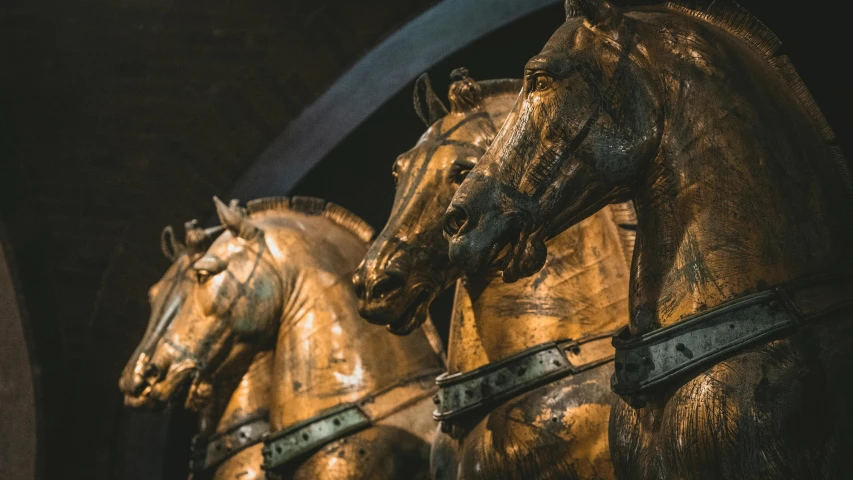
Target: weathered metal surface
(557, 430)
(657, 357)
(688, 110)
(208, 454)
(275, 285)
(498, 381)
(224, 403)
(296, 441)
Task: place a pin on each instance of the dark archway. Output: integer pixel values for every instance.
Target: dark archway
(417, 46)
(19, 420)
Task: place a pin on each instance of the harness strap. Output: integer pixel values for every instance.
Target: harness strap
(655, 358)
(498, 381)
(207, 454)
(291, 443)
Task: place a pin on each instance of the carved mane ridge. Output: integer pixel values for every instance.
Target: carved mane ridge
(734, 19)
(337, 214)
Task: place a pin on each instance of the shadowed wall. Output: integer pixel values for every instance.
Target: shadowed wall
(117, 118)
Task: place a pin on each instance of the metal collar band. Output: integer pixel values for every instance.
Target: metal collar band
(498, 381)
(651, 360)
(206, 455)
(304, 437)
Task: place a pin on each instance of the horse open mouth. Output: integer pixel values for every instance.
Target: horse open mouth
(525, 254)
(416, 313)
(500, 253)
(162, 395)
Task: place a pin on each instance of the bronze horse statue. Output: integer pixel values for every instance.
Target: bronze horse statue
(736, 363)
(346, 402)
(229, 405)
(541, 421)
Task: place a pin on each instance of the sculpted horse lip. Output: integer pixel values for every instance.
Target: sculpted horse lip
(497, 240)
(416, 312)
(527, 254)
(163, 393)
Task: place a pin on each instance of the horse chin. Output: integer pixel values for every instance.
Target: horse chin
(174, 389)
(527, 256)
(478, 251)
(199, 396)
(416, 313)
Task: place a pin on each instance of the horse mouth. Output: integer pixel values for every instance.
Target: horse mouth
(500, 253)
(162, 395)
(526, 255)
(416, 313)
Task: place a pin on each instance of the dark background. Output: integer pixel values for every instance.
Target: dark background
(117, 118)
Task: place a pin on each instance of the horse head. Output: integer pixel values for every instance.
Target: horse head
(166, 298)
(231, 299)
(587, 121)
(407, 265)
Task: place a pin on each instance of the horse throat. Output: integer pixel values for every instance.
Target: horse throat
(249, 398)
(582, 291)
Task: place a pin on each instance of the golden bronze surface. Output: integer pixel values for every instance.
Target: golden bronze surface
(224, 401)
(558, 430)
(689, 111)
(276, 286)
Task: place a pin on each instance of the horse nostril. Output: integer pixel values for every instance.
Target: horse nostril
(455, 220)
(387, 284)
(137, 386)
(152, 373)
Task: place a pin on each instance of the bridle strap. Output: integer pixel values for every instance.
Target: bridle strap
(294, 442)
(657, 358)
(502, 380)
(206, 454)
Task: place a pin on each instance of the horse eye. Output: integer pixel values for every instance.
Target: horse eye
(542, 82)
(202, 276)
(460, 175)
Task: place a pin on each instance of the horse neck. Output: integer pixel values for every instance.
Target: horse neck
(326, 354)
(249, 398)
(741, 196)
(582, 291)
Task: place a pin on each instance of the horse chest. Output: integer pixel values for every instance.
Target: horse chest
(556, 431)
(764, 413)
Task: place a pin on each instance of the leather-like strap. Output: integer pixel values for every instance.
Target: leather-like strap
(209, 454)
(498, 381)
(293, 442)
(653, 359)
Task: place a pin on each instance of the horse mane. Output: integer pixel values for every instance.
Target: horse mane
(492, 90)
(734, 19)
(738, 22)
(313, 206)
(500, 86)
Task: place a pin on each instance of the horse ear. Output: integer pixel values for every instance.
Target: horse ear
(427, 104)
(233, 218)
(198, 239)
(171, 247)
(597, 12)
(230, 219)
